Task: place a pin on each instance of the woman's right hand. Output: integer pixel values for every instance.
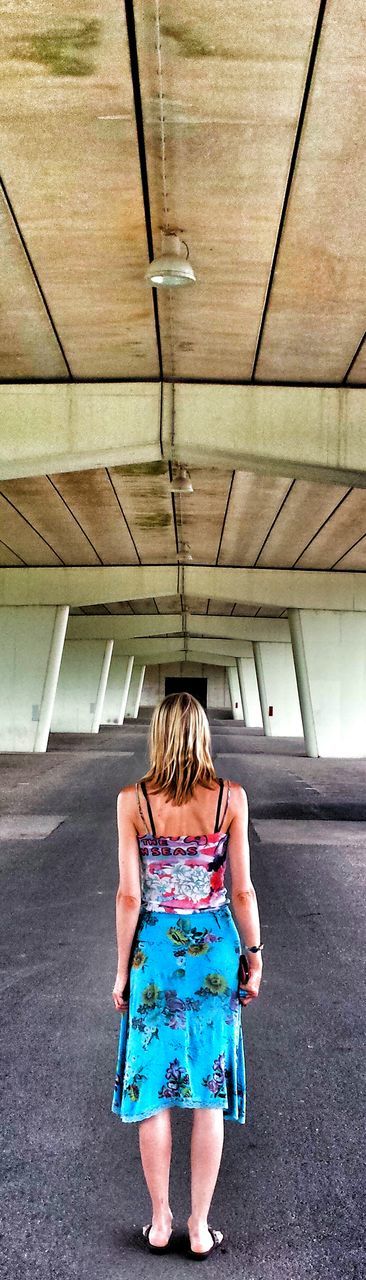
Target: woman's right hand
(251, 989)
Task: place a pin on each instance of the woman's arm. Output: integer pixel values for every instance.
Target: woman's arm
(243, 895)
(128, 896)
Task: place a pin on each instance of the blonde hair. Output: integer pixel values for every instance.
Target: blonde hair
(180, 748)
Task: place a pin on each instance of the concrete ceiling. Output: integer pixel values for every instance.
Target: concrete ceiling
(248, 136)
(251, 141)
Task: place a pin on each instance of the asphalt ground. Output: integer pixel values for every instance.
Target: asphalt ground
(290, 1192)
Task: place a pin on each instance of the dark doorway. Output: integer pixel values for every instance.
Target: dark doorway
(182, 684)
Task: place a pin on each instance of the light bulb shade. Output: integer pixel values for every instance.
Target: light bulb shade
(181, 482)
(171, 269)
(184, 554)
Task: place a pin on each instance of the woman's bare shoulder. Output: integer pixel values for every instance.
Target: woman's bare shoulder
(238, 798)
(127, 795)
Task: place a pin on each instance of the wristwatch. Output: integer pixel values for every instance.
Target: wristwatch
(260, 948)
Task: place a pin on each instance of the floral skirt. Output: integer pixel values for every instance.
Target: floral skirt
(181, 1040)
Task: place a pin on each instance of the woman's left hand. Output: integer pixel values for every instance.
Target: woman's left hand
(119, 1003)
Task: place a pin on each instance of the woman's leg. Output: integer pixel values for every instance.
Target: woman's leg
(155, 1139)
(206, 1150)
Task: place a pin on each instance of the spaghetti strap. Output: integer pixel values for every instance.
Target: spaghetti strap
(152, 824)
(217, 827)
(143, 819)
(226, 805)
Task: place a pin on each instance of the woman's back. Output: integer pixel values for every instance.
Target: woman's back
(183, 850)
(204, 812)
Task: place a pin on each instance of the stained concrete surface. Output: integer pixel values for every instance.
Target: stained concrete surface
(289, 1197)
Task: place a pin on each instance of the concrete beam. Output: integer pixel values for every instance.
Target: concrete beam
(159, 659)
(105, 628)
(123, 627)
(87, 585)
(168, 659)
(315, 432)
(288, 588)
(231, 648)
(316, 589)
(61, 427)
(235, 628)
(142, 646)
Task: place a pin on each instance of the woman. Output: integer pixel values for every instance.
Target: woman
(181, 1041)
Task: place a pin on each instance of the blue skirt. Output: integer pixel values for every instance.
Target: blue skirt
(181, 1040)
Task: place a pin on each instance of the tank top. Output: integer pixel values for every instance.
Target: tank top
(183, 873)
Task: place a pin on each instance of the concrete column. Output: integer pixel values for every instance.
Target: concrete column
(126, 686)
(249, 691)
(116, 693)
(102, 686)
(135, 691)
(262, 692)
(243, 692)
(52, 674)
(79, 685)
(303, 686)
(31, 643)
(330, 658)
(235, 695)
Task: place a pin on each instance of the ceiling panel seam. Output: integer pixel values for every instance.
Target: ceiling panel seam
(36, 279)
(225, 515)
(346, 553)
(74, 517)
(290, 176)
(140, 134)
(12, 552)
(269, 531)
(33, 528)
(322, 526)
(123, 514)
(354, 358)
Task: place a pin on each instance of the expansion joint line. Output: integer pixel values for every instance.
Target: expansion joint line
(164, 169)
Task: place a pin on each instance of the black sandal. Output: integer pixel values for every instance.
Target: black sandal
(192, 1253)
(155, 1248)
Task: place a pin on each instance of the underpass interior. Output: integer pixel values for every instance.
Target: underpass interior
(182, 504)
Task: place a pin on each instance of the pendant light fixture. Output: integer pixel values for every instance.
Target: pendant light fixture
(172, 268)
(184, 555)
(181, 480)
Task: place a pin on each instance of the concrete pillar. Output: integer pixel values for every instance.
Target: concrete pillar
(31, 644)
(125, 692)
(79, 685)
(242, 689)
(235, 695)
(303, 686)
(330, 662)
(116, 694)
(262, 692)
(135, 691)
(102, 686)
(277, 689)
(249, 684)
(52, 675)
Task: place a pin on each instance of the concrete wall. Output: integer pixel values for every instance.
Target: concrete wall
(335, 656)
(218, 694)
(78, 686)
(281, 690)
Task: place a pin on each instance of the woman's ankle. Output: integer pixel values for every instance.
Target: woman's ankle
(197, 1220)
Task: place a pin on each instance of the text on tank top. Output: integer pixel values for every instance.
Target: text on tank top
(183, 873)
